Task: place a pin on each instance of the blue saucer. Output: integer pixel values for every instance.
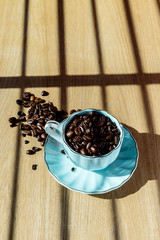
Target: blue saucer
(92, 182)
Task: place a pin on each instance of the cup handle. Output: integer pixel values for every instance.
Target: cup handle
(52, 130)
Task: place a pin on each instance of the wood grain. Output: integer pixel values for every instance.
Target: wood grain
(102, 54)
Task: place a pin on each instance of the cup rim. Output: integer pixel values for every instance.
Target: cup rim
(79, 113)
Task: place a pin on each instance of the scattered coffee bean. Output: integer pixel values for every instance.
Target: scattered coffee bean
(38, 114)
(43, 135)
(32, 97)
(62, 151)
(22, 119)
(13, 125)
(34, 166)
(26, 142)
(30, 121)
(12, 120)
(26, 94)
(20, 113)
(36, 149)
(72, 169)
(30, 152)
(42, 143)
(19, 102)
(44, 93)
(72, 111)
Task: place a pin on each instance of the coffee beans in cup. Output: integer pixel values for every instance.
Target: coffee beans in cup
(92, 134)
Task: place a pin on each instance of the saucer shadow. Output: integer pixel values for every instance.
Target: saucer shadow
(147, 169)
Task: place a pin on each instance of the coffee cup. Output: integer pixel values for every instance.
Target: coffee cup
(58, 132)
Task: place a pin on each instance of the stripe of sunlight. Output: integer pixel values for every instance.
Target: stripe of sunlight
(99, 50)
(18, 146)
(116, 231)
(144, 93)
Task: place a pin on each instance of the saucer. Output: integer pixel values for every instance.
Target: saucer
(92, 182)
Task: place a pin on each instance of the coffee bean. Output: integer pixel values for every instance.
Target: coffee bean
(34, 166)
(44, 93)
(30, 121)
(20, 113)
(13, 125)
(27, 132)
(77, 120)
(55, 109)
(100, 123)
(33, 104)
(91, 114)
(51, 107)
(26, 126)
(33, 126)
(83, 151)
(23, 135)
(109, 128)
(42, 143)
(26, 142)
(39, 123)
(46, 113)
(26, 104)
(26, 94)
(78, 131)
(85, 116)
(36, 149)
(43, 135)
(12, 120)
(77, 139)
(88, 137)
(19, 102)
(116, 140)
(88, 145)
(84, 143)
(72, 111)
(26, 99)
(70, 134)
(34, 133)
(109, 136)
(88, 131)
(39, 127)
(40, 100)
(94, 149)
(35, 116)
(76, 146)
(32, 97)
(62, 151)
(72, 169)
(39, 131)
(110, 148)
(42, 117)
(30, 152)
(22, 119)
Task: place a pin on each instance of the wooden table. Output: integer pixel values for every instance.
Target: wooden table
(102, 54)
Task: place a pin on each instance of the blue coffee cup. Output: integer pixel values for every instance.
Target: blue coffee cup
(58, 130)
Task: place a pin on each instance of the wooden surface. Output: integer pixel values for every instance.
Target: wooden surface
(102, 54)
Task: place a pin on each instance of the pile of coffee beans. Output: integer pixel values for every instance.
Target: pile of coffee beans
(92, 134)
(33, 122)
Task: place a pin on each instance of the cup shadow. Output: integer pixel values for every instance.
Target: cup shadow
(147, 168)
